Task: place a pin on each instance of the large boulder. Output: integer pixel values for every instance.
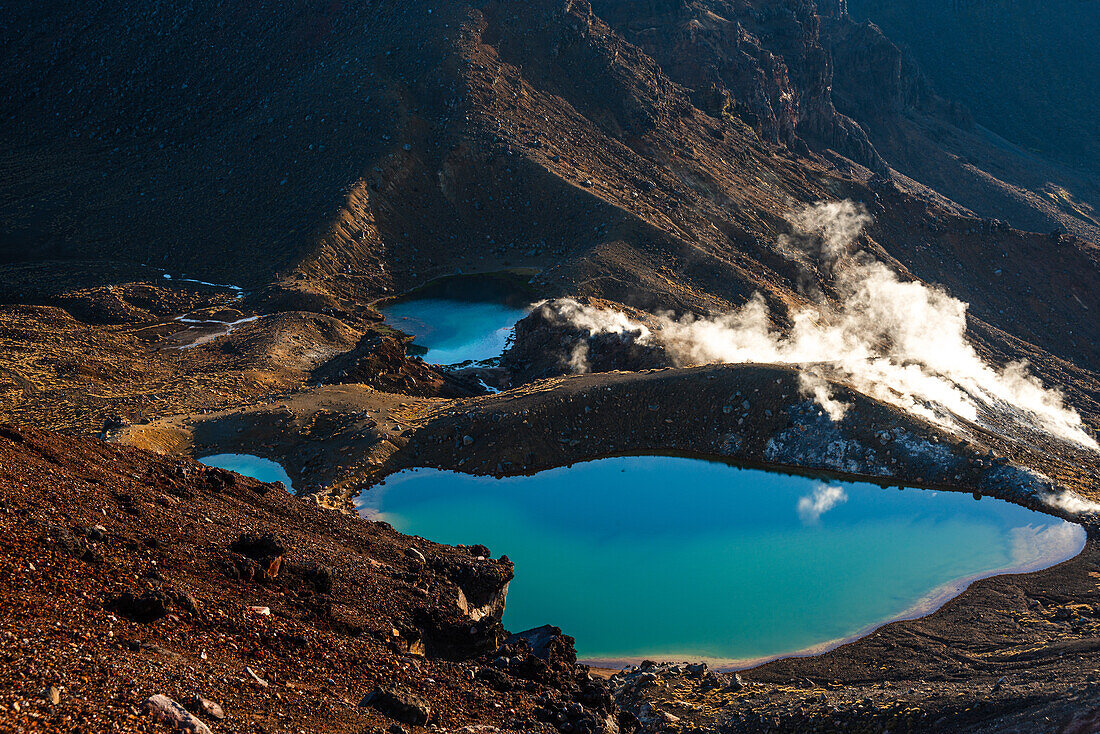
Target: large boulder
(398, 704)
(169, 712)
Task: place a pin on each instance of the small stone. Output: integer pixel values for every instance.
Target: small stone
(735, 684)
(185, 601)
(146, 607)
(96, 533)
(252, 674)
(467, 440)
(712, 680)
(414, 554)
(206, 707)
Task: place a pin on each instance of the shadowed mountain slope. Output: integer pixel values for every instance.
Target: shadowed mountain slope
(324, 154)
(1030, 70)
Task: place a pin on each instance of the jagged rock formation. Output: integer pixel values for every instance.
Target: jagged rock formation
(760, 63)
(548, 343)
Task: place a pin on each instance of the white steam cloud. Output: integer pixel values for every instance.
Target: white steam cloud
(903, 343)
(824, 498)
(1071, 503)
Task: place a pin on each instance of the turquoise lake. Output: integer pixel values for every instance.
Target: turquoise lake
(453, 331)
(265, 470)
(675, 558)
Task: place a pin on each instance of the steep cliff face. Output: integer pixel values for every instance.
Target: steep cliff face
(874, 77)
(761, 63)
(811, 77)
(938, 143)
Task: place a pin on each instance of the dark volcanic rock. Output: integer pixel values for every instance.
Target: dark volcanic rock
(266, 549)
(146, 607)
(495, 679)
(383, 363)
(574, 701)
(316, 575)
(241, 568)
(484, 584)
(550, 341)
(451, 634)
(547, 643)
(399, 704)
(96, 533)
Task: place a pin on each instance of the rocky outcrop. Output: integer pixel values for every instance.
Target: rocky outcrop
(465, 620)
(1027, 71)
(383, 362)
(399, 704)
(571, 699)
(550, 341)
(873, 77)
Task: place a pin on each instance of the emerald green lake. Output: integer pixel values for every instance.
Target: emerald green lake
(675, 558)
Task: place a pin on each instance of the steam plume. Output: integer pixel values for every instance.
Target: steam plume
(903, 343)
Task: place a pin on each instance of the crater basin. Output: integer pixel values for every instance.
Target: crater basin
(675, 558)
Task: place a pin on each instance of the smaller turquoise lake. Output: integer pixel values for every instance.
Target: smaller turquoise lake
(675, 558)
(467, 318)
(256, 467)
(453, 331)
